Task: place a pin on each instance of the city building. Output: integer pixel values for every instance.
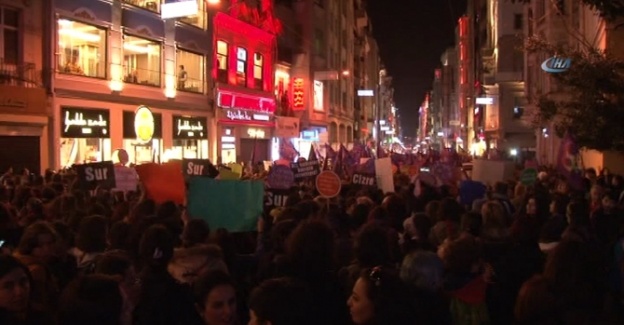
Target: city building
(385, 104)
(24, 115)
(501, 99)
(564, 22)
(110, 58)
(244, 83)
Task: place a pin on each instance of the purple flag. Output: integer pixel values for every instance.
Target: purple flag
(287, 150)
(568, 164)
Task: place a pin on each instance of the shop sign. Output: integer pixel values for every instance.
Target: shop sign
(189, 127)
(94, 175)
(286, 127)
(84, 123)
(556, 64)
(130, 119)
(233, 100)
(244, 115)
(298, 93)
(144, 124)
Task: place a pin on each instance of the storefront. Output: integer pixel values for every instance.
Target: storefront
(142, 135)
(190, 138)
(245, 128)
(23, 129)
(85, 135)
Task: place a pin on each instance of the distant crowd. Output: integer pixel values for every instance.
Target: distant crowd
(508, 254)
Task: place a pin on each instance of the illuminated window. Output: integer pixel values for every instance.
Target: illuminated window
(9, 36)
(142, 64)
(81, 48)
(198, 20)
(190, 71)
(152, 5)
(222, 61)
(258, 64)
(241, 66)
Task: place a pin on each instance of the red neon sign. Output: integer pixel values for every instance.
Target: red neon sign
(243, 101)
(298, 91)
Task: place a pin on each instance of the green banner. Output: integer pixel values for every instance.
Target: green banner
(231, 204)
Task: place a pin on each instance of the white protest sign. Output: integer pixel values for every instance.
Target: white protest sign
(126, 179)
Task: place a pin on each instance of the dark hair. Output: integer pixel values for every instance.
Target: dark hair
(196, 231)
(310, 247)
(282, 301)
(9, 263)
(390, 297)
(372, 246)
(91, 299)
(156, 247)
(207, 282)
(113, 263)
(91, 236)
(30, 238)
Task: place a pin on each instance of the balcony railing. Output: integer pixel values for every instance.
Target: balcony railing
(22, 75)
(191, 85)
(143, 77)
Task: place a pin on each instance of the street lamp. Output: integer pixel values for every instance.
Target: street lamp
(213, 2)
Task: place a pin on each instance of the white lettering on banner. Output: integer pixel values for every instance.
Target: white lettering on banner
(79, 120)
(192, 169)
(363, 180)
(276, 200)
(96, 174)
(185, 125)
(238, 115)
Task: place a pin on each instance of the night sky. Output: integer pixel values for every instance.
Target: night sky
(412, 35)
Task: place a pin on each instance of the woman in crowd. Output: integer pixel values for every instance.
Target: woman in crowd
(16, 306)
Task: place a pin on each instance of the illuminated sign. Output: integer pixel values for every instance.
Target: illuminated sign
(144, 124)
(365, 93)
(243, 115)
(84, 123)
(318, 95)
(298, 92)
(179, 8)
(485, 101)
(227, 99)
(556, 64)
(256, 133)
(189, 127)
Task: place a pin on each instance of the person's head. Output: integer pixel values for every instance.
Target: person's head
(310, 247)
(91, 299)
(281, 301)
(558, 205)
(14, 285)
(531, 206)
(196, 231)
(91, 236)
(181, 67)
(609, 202)
(501, 188)
(156, 247)
(372, 246)
(379, 296)
(494, 220)
(596, 192)
(215, 298)
(39, 240)
(119, 265)
(423, 270)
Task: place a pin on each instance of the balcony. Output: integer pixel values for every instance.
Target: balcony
(21, 75)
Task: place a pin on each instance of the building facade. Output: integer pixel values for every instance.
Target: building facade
(24, 115)
(564, 22)
(108, 58)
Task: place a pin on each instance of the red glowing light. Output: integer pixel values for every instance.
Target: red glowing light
(298, 92)
(226, 99)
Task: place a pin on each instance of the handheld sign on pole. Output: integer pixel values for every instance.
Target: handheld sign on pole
(281, 177)
(199, 167)
(92, 175)
(328, 184)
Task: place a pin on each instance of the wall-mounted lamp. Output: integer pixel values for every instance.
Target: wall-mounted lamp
(346, 73)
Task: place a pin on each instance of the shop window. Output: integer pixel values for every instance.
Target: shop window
(152, 5)
(198, 20)
(258, 70)
(82, 151)
(241, 66)
(142, 63)
(222, 61)
(9, 35)
(190, 72)
(82, 49)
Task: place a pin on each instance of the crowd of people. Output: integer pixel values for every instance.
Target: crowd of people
(514, 254)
